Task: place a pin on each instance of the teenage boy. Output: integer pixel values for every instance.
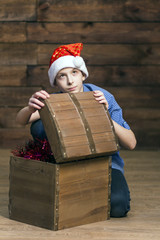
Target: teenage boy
(68, 71)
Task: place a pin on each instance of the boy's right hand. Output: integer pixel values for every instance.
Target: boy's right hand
(35, 102)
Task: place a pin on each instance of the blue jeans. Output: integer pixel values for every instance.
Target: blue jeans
(120, 195)
(37, 130)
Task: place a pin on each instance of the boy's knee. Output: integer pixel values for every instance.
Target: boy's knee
(119, 206)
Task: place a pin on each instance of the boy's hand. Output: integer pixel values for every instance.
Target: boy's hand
(35, 102)
(99, 96)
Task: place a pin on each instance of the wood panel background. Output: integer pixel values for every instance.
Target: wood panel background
(121, 48)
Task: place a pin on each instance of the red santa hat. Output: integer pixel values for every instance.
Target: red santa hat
(66, 56)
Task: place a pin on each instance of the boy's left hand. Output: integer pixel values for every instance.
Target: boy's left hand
(99, 96)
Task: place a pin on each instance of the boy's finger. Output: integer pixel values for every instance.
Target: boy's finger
(36, 101)
(100, 98)
(44, 93)
(39, 95)
(98, 94)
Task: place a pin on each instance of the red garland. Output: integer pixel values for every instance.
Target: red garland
(38, 150)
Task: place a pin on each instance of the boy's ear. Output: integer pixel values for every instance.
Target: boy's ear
(83, 77)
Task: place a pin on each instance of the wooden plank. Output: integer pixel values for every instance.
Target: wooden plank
(12, 32)
(145, 123)
(8, 117)
(16, 97)
(133, 96)
(18, 54)
(13, 76)
(124, 75)
(18, 10)
(142, 221)
(104, 75)
(63, 115)
(143, 118)
(73, 141)
(34, 203)
(93, 33)
(13, 137)
(38, 75)
(84, 192)
(44, 192)
(90, 11)
(148, 139)
(138, 97)
(111, 54)
(98, 75)
(71, 137)
(131, 99)
(122, 54)
(142, 121)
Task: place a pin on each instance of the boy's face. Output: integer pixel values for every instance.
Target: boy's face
(70, 80)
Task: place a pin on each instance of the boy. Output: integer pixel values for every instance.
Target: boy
(68, 71)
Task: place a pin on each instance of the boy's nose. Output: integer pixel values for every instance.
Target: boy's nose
(70, 80)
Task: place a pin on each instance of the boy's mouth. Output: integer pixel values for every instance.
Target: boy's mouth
(72, 89)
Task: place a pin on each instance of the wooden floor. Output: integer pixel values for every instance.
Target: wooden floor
(143, 222)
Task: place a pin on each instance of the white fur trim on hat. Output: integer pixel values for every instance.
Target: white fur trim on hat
(64, 62)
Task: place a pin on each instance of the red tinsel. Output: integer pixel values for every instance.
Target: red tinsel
(38, 150)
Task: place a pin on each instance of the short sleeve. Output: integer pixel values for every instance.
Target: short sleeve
(115, 112)
(114, 109)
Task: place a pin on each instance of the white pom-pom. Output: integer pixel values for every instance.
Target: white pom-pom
(78, 61)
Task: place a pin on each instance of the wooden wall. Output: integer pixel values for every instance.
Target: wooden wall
(121, 48)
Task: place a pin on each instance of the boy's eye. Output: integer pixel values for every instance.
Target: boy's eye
(61, 76)
(74, 71)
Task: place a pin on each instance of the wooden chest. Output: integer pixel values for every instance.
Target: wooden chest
(58, 196)
(76, 189)
(78, 127)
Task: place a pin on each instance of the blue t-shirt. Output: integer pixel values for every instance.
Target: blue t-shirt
(116, 114)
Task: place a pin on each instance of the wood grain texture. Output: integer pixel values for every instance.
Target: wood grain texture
(71, 125)
(89, 11)
(16, 97)
(121, 50)
(104, 76)
(147, 139)
(8, 117)
(90, 32)
(11, 32)
(99, 75)
(13, 76)
(142, 222)
(144, 118)
(136, 96)
(84, 192)
(32, 192)
(110, 54)
(18, 10)
(58, 196)
(18, 54)
(14, 137)
(144, 122)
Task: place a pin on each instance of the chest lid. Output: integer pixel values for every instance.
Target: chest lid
(78, 127)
